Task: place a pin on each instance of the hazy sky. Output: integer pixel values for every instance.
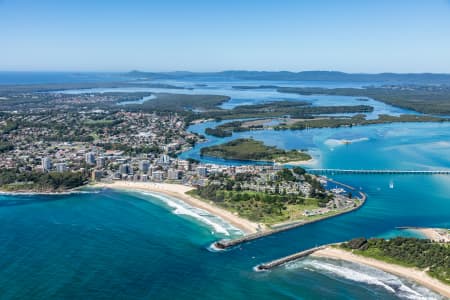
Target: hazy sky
(108, 35)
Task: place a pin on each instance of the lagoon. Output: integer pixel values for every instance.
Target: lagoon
(258, 96)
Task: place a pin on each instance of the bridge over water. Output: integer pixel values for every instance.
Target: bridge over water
(370, 172)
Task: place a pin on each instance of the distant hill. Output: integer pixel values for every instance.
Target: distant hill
(394, 78)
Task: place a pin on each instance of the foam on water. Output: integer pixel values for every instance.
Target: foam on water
(181, 208)
(213, 248)
(367, 275)
(336, 142)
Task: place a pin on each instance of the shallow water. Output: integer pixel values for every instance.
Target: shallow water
(259, 96)
(130, 245)
(113, 245)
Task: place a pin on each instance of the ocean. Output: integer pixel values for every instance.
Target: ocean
(13, 78)
(104, 244)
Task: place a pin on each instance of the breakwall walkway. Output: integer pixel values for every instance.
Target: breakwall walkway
(225, 244)
(286, 259)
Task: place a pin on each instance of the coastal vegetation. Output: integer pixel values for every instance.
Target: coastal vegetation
(227, 129)
(15, 180)
(424, 254)
(218, 132)
(261, 207)
(276, 202)
(429, 99)
(54, 87)
(293, 109)
(5, 146)
(251, 150)
(185, 104)
(393, 78)
(357, 120)
(310, 122)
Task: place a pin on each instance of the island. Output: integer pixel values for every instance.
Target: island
(218, 132)
(356, 120)
(288, 122)
(252, 150)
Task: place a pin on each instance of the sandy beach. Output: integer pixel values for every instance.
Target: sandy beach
(309, 162)
(179, 191)
(410, 273)
(439, 235)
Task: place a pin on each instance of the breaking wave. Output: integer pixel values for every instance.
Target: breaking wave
(367, 275)
(181, 208)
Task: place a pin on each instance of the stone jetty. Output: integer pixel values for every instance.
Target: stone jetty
(226, 243)
(286, 259)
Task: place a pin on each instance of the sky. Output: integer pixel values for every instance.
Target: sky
(197, 35)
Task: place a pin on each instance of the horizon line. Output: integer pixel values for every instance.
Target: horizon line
(223, 71)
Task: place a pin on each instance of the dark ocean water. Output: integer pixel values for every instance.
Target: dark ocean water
(124, 245)
(128, 245)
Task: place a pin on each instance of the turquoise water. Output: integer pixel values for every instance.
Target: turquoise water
(124, 245)
(112, 245)
(128, 245)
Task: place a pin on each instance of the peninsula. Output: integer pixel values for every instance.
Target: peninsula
(254, 199)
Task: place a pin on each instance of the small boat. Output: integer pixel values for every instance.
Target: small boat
(391, 184)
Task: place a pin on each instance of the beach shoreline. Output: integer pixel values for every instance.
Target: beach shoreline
(410, 273)
(179, 191)
(310, 162)
(438, 235)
